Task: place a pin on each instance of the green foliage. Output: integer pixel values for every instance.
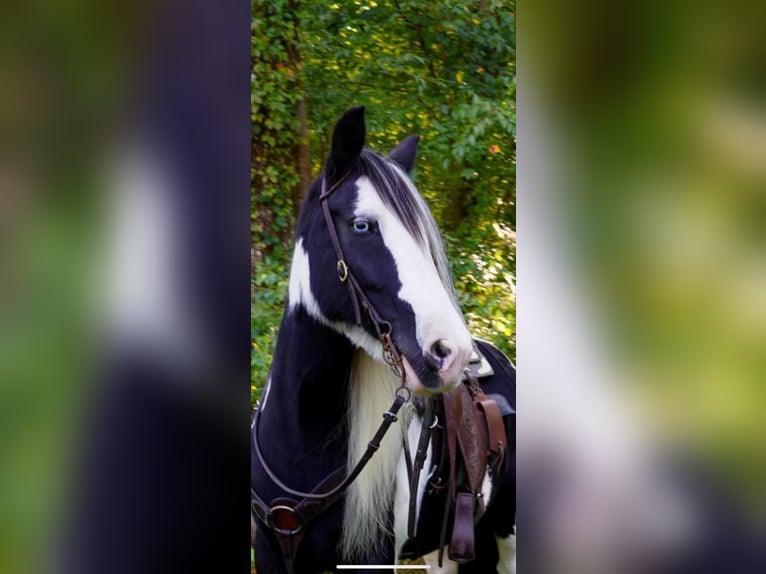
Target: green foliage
(482, 265)
(443, 70)
(275, 90)
(267, 303)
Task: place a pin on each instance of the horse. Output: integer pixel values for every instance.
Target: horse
(372, 327)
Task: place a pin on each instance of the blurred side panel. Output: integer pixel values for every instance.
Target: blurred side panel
(124, 273)
(641, 287)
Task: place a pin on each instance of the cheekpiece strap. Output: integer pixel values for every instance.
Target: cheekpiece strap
(344, 274)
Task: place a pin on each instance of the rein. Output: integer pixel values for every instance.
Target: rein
(286, 517)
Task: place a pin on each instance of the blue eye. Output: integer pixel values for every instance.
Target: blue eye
(361, 225)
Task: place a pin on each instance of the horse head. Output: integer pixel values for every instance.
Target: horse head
(387, 241)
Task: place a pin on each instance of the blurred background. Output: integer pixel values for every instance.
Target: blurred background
(124, 375)
(445, 71)
(642, 286)
(57, 92)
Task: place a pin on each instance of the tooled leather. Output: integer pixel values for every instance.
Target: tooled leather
(472, 439)
(471, 436)
(451, 432)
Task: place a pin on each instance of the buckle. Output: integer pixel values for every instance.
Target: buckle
(342, 270)
(284, 519)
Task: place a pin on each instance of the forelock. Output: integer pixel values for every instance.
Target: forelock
(398, 193)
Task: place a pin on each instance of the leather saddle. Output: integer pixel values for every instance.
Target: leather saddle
(470, 440)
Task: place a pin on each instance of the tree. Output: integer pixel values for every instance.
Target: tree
(279, 152)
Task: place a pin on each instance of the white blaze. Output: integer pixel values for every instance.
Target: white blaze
(435, 314)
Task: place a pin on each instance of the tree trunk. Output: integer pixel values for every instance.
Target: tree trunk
(302, 156)
(459, 201)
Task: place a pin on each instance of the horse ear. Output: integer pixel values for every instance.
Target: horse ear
(347, 142)
(405, 153)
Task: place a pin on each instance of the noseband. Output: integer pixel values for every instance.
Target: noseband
(286, 517)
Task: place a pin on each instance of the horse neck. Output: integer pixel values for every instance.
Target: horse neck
(308, 387)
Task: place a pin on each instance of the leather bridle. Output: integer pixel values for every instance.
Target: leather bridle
(286, 517)
(358, 299)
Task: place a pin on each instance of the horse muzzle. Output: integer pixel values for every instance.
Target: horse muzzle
(442, 368)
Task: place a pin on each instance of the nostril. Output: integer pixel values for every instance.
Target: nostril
(441, 349)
